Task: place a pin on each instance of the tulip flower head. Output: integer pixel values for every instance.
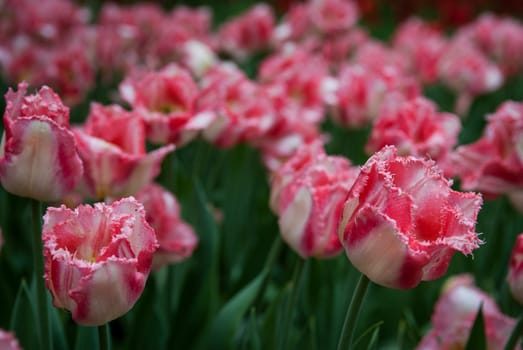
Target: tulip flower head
(493, 164)
(401, 222)
(8, 341)
(38, 156)
(416, 128)
(454, 316)
(515, 270)
(111, 144)
(309, 200)
(166, 101)
(176, 238)
(97, 259)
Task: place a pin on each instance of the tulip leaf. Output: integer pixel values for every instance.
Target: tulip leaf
(149, 325)
(251, 338)
(24, 314)
(86, 338)
(226, 322)
(57, 328)
(477, 338)
(373, 344)
(371, 330)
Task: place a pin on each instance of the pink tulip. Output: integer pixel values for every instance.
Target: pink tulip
(424, 46)
(515, 270)
(501, 38)
(298, 84)
(416, 128)
(330, 16)
(112, 147)
(455, 313)
(362, 91)
(401, 222)
(299, 161)
(248, 33)
(166, 101)
(466, 70)
(376, 56)
(176, 238)
(309, 202)
(97, 259)
(38, 156)
(8, 341)
(493, 164)
(240, 109)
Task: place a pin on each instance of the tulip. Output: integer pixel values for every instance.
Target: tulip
(176, 238)
(493, 164)
(416, 128)
(38, 156)
(8, 341)
(454, 316)
(309, 202)
(248, 33)
(97, 259)
(166, 101)
(401, 222)
(239, 108)
(112, 147)
(515, 271)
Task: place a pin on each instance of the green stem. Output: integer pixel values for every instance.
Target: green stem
(352, 313)
(291, 303)
(38, 267)
(516, 334)
(104, 337)
(269, 263)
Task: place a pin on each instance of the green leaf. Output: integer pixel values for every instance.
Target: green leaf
(198, 302)
(251, 338)
(221, 333)
(373, 344)
(477, 337)
(515, 335)
(57, 328)
(24, 314)
(86, 338)
(372, 329)
(149, 327)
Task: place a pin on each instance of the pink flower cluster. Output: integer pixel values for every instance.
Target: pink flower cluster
(97, 258)
(396, 217)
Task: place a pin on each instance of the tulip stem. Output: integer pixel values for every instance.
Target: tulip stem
(291, 302)
(269, 263)
(38, 267)
(104, 337)
(516, 334)
(352, 313)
